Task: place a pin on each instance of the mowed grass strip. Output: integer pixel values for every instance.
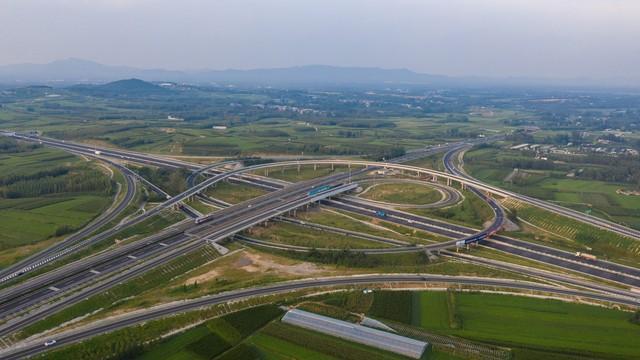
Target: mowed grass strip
(234, 193)
(298, 235)
(403, 193)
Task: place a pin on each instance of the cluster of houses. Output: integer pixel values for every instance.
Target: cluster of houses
(542, 149)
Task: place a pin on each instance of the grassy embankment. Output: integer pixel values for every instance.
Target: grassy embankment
(403, 193)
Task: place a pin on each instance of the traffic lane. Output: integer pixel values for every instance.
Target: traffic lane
(87, 292)
(398, 220)
(64, 339)
(567, 258)
(93, 226)
(620, 278)
(77, 279)
(569, 255)
(274, 200)
(74, 277)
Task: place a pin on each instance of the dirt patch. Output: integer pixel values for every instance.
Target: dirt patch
(210, 275)
(258, 263)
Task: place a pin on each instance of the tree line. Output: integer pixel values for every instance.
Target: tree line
(57, 182)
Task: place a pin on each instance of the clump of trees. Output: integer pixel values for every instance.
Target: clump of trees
(9, 146)
(388, 153)
(635, 318)
(55, 181)
(173, 181)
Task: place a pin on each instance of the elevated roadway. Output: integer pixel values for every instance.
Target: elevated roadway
(221, 225)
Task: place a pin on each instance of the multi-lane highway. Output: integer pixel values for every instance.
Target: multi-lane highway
(50, 292)
(32, 261)
(219, 225)
(34, 347)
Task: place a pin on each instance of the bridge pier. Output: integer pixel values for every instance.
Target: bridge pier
(315, 167)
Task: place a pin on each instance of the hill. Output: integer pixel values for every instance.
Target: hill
(129, 87)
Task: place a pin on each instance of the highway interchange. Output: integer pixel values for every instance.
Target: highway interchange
(32, 299)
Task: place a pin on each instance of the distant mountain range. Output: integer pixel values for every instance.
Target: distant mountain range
(77, 71)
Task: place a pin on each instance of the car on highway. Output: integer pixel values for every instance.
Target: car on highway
(50, 342)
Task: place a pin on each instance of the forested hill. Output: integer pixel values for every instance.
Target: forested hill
(129, 87)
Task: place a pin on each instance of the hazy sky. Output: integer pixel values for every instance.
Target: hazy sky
(541, 38)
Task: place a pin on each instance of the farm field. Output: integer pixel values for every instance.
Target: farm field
(54, 192)
(45, 215)
(532, 327)
(598, 198)
(214, 337)
(281, 341)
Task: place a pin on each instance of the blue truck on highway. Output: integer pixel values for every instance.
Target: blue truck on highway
(320, 189)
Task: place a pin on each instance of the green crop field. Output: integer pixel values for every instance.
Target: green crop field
(532, 326)
(214, 337)
(34, 205)
(403, 193)
(44, 216)
(596, 197)
(281, 341)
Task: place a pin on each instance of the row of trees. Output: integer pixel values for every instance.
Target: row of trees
(172, 181)
(9, 146)
(89, 181)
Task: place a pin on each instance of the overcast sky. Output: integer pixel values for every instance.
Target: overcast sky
(536, 38)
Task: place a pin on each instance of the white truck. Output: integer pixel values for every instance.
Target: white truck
(586, 256)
